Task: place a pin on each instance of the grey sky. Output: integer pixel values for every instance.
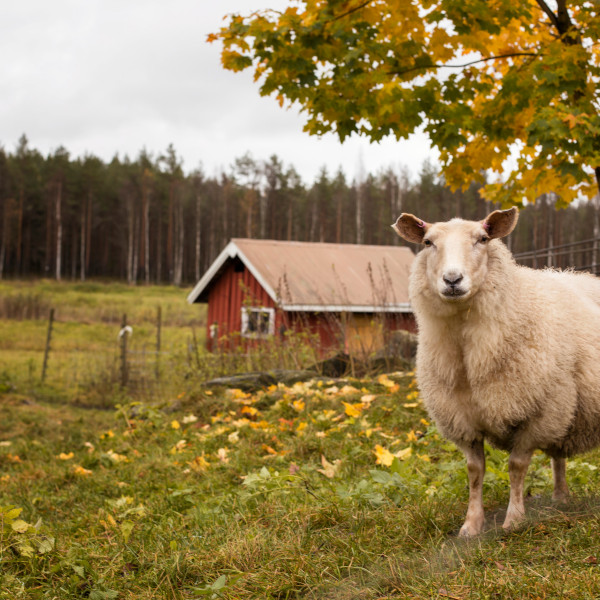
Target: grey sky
(110, 76)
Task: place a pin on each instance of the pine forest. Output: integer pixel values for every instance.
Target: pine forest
(148, 221)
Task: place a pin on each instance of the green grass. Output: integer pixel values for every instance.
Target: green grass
(84, 361)
(180, 493)
(247, 499)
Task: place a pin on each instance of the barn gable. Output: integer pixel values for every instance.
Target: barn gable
(258, 288)
(305, 276)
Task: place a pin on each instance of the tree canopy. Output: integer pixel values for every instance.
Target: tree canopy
(503, 87)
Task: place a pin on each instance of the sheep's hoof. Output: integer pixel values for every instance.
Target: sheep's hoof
(512, 522)
(470, 529)
(560, 496)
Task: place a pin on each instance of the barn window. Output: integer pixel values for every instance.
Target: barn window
(258, 321)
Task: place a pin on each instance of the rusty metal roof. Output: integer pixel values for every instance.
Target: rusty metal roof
(310, 276)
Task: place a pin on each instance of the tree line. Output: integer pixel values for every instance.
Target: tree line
(147, 221)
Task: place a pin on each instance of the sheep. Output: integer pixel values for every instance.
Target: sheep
(506, 353)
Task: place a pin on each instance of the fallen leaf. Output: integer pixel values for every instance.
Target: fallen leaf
(402, 454)
(384, 456)
(330, 470)
(353, 410)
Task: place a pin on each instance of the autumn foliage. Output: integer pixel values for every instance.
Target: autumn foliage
(504, 87)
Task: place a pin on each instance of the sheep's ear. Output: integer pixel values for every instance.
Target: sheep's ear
(410, 228)
(501, 222)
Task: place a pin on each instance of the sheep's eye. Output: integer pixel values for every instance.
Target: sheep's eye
(483, 239)
(428, 242)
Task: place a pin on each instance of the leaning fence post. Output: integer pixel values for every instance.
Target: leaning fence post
(123, 339)
(48, 338)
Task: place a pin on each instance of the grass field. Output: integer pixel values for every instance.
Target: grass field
(327, 489)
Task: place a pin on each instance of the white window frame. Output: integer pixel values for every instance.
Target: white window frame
(246, 310)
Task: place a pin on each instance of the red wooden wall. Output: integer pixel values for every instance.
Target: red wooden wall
(237, 287)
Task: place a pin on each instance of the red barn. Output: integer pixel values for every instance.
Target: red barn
(349, 295)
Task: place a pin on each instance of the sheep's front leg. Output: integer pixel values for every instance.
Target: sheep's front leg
(518, 463)
(476, 469)
(559, 470)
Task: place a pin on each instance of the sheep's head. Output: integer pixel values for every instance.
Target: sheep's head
(456, 252)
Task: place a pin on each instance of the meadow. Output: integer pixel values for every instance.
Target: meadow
(330, 488)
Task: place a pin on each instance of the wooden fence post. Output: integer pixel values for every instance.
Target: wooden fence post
(123, 338)
(158, 328)
(48, 338)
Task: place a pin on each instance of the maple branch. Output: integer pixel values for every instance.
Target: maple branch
(467, 64)
(549, 12)
(352, 10)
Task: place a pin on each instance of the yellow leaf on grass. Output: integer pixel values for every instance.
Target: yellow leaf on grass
(367, 398)
(385, 381)
(175, 424)
(222, 454)
(189, 419)
(298, 405)
(268, 449)
(234, 437)
(250, 410)
(301, 427)
(411, 405)
(199, 463)
(79, 470)
(411, 436)
(64, 456)
(384, 456)
(402, 454)
(353, 410)
(116, 458)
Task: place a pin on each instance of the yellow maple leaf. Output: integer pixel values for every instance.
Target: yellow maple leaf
(384, 456)
(298, 405)
(353, 410)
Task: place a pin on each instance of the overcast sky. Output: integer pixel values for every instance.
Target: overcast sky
(116, 76)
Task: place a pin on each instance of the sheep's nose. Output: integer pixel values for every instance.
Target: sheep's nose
(452, 277)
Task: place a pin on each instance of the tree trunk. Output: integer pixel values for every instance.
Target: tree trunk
(289, 218)
(146, 256)
(179, 243)
(170, 232)
(82, 244)
(59, 231)
(4, 236)
(359, 203)
(88, 244)
(19, 232)
(130, 240)
(198, 239)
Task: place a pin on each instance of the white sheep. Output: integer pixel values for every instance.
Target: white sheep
(506, 353)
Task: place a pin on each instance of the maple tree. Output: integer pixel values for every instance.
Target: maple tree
(499, 86)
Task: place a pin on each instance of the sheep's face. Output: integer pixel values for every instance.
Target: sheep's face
(456, 252)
